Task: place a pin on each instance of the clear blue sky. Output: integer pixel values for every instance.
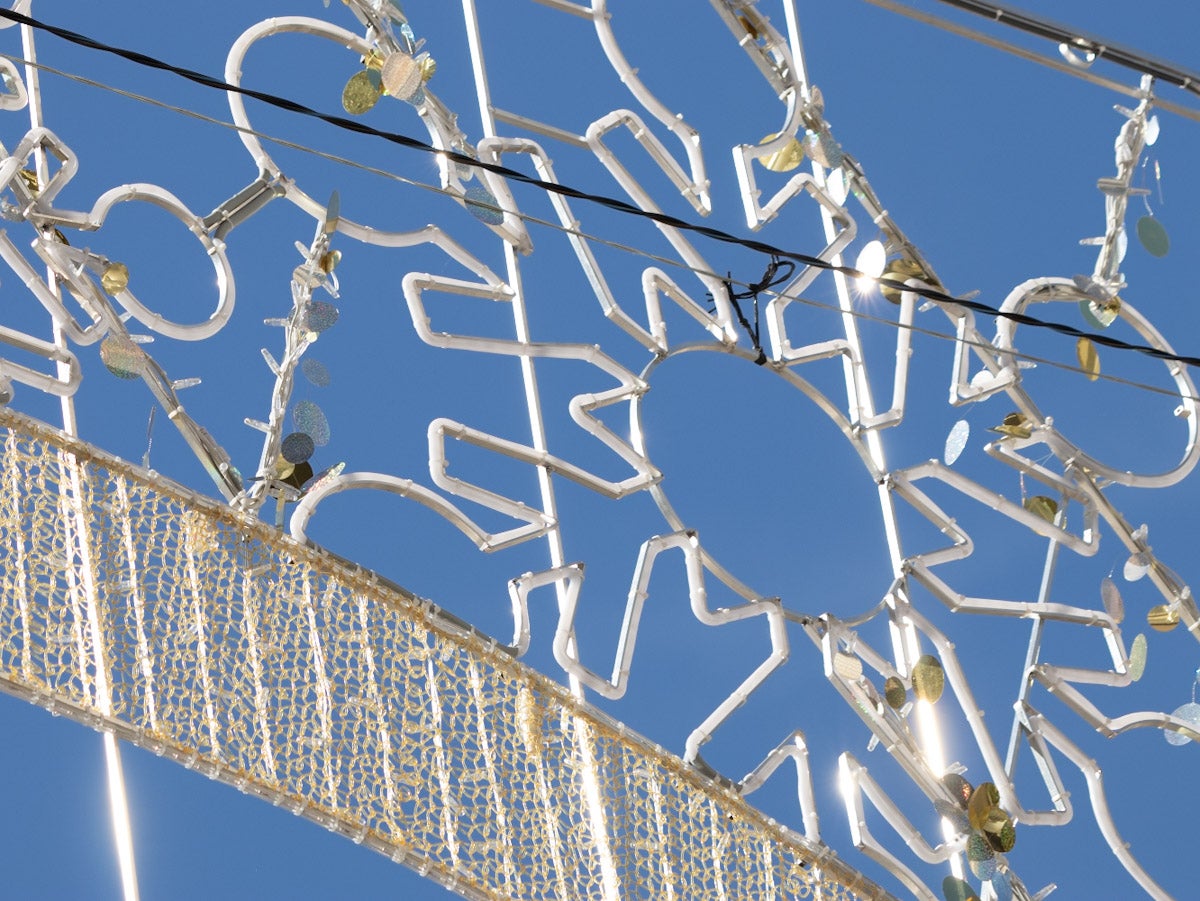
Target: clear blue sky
(987, 162)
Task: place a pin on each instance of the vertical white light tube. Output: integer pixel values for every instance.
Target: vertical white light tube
(119, 811)
(118, 804)
(862, 407)
(593, 802)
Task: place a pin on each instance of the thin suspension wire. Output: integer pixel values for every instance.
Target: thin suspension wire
(621, 206)
(1103, 49)
(550, 224)
(1066, 68)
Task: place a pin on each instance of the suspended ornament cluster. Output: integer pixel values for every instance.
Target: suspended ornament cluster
(311, 427)
(818, 142)
(1102, 305)
(402, 73)
(990, 834)
(120, 351)
(285, 469)
(1150, 231)
(119, 354)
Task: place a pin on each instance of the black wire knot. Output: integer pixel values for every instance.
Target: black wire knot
(772, 278)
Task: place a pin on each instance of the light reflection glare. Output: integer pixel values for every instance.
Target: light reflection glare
(931, 738)
(845, 780)
(870, 262)
(949, 833)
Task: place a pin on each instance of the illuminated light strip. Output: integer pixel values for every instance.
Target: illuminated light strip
(115, 776)
(119, 811)
(640, 789)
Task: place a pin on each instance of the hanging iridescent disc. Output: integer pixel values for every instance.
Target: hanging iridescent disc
(1153, 236)
(848, 666)
(1002, 885)
(115, 278)
(1111, 595)
(1001, 833)
(955, 889)
(983, 810)
(1136, 567)
(297, 448)
(837, 187)
(122, 357)
(901, 270)
(401, 75)
(1162, 618)
(871, 259)
(315, 372)
(1100, 314)
(325, 476)
(329, 261)
(300, 474)
(928, 678)
(1088, 357)
(1042, 507)
(894, 692)
(824, 149)
(482, 205)
(1152, 129)
(786, 158)
(1015, 425)
(959, 787)
(309, 419)
(320, 315)
(1137, 657)
(362, 92)
(1190, 714)
(981, 856)
(956, 441)
(954, 814)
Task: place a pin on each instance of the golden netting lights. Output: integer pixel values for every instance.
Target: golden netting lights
(135, 606)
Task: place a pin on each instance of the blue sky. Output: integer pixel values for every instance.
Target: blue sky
(988, 163)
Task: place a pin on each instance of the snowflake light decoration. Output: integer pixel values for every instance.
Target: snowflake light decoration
(890, 660)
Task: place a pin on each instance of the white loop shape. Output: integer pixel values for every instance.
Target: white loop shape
(439, 122)
(1043, 290)
(69, 263)
(64, 259)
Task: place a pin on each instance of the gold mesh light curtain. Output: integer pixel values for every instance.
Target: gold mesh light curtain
(225, 646)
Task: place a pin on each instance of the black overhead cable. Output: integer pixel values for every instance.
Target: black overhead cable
(613, 203)
(616, 245)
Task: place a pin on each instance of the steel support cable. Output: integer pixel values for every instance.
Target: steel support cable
(613, 203)
(615, 245)
(1063, 34)
(901, 7)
